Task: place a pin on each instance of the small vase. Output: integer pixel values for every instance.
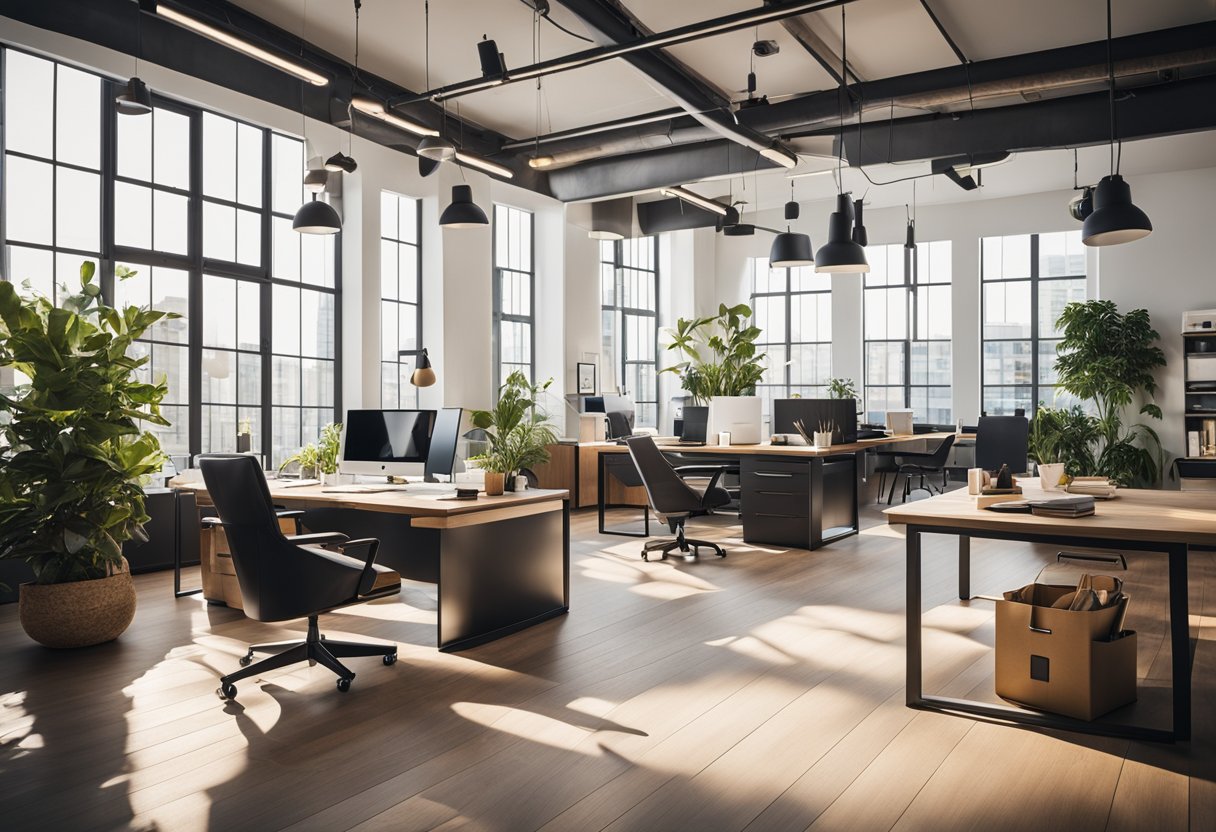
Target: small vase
(1050, 474)
(509, 481)
(823, 439)
(494, 483)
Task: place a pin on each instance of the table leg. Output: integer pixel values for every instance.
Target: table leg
(1180, 641)
(913, 689)
(964, 567)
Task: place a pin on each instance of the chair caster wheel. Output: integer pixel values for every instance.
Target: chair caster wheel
(244, 660)
(227, 690)
(344, 685)
(390, 659)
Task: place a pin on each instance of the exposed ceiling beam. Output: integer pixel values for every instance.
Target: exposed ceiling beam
(801, 31)
(609, 24)
(941, 29)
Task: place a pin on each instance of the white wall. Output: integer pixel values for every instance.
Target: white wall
(1167, 273)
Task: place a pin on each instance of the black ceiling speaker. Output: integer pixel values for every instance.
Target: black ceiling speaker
(859, 229)
(792, 210)
(1082, 205)
(739, 229)
(493, 64)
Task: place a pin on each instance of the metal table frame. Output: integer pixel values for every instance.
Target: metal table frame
(1180, 639)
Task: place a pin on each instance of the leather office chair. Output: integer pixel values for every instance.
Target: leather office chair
(285, 577)
(920, 464)
(1002, 440)
(673, 499)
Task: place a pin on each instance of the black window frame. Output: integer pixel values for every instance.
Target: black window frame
(620, 312)
(417, 246)
(498, 315)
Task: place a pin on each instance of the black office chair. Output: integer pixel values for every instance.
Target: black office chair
(1002, 440)
(284, 577)
(673, 499)
(920, 464)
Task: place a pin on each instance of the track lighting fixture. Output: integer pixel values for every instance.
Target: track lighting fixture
(376, 110)
(695, 199)
(437, 148)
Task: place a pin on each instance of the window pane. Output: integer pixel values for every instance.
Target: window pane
(219, 301)
(219, 232)
(132, 215)
(249, 165)
(1054, 295)
(219, 157)
(1008, 362)
(317, 324)
(27, 103)
(1007, 310)
(285, 380)
(407, 271)
(170, 228)
(249, 316)
(170, 293)
(287, 194)
(171, 145)
(388, 215)
(286, 253)
(78, 118)
(77, 209)
(27, 200)
(34, 267)
(286, 305)
(248, 237)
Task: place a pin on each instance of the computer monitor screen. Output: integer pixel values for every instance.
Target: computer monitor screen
(696, 424)
(442, 456)
(386, 442)
(593, 404)
(841, 413)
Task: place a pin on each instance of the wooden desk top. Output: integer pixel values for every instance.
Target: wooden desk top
(415, 505)
(766, 449)
(1135, 514)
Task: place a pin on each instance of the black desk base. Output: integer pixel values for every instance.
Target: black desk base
(1180, 638)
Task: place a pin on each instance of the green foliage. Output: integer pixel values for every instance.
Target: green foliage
(842, 388)
(73, 452)
(1066, 435)
(518, 433)
(319, 457)
(730, 365)
(1109, 359)
(308, 458)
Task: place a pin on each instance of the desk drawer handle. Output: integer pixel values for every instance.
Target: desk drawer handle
(778, 493)
(781, 516)
(1042, 630)
(773, 475)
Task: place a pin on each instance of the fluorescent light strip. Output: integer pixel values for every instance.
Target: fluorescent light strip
(695, 199)
(780, 156)
(243, 46)
(376, 110)
(484, 164)
(807, 173)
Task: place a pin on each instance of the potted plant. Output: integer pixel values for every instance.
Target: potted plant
(327, 452)
(74, 453)
(517, 431)
(1060, 443)
(1108, 359)
(307, 459)
(719, 358)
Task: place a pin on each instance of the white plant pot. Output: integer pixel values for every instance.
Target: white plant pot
(823, 439)
(331, 479)
(1050, 474)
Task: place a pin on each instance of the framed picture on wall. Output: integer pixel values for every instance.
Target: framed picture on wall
(586, 379)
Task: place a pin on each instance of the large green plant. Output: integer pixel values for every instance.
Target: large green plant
(1109, 359)
(74, 451)
(719, 353)
(518, 432)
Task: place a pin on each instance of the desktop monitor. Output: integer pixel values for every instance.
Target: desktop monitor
(899, 422)
(390, 443)
(593, 404)
(442, 456)
(696, 424)
(813, 412)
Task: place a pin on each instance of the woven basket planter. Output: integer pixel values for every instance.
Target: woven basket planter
(79, 613)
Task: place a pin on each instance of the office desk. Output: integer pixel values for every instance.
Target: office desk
(1137, 520)
(790, 495)
(501, 563)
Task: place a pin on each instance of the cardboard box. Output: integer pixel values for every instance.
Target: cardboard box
(1059, 660)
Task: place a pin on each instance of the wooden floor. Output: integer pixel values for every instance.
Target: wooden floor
(759, 692)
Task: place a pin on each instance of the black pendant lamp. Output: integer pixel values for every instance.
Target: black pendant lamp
(840, 253)
(135, 98)
(463, 212)
(1115, 218)
(790, 249)
(343, 162)
(910, 239)
(316, 217)
(424, 374)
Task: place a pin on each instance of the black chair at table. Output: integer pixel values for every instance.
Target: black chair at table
(286, 577)
(673, 499)
(919, 464)
(1002, 440)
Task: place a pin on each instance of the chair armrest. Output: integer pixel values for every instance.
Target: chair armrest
(289, 514)
(370, 545)
(706, 470)
(318, 537)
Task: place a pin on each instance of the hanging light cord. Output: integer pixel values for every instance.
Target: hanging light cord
(844, 70)
(1110, 69)
(350, 115)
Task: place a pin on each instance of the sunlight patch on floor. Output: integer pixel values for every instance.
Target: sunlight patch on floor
(592, 706)
(397, 611)
(884, 530)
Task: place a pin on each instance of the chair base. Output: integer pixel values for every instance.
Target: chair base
(315, 649)
(688, 546)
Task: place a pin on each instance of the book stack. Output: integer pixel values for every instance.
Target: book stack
(1063, 507)
(1097, 487)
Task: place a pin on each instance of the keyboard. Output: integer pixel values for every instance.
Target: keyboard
(408, 488)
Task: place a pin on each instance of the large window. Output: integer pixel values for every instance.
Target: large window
(1027, 281)
(907, 332)
(514, 293)
(629, 297)
(199, 207)
(793, 309)
(400, 298)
